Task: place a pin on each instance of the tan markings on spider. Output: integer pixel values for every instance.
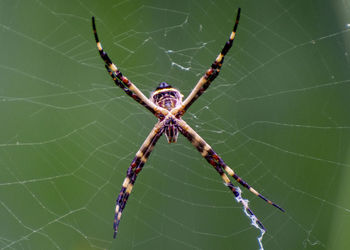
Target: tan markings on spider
(166, 104)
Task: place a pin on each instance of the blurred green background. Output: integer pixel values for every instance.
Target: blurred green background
(278, 114)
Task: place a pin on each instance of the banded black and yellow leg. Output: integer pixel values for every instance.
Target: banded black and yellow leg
(131, 181)
(134, 169)
(230, 172)
(230, 185)
(128, 91)
(210, 74)
(207, 153)
(127, 83)
(214, 159)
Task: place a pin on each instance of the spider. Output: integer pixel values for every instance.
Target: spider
(166, 104)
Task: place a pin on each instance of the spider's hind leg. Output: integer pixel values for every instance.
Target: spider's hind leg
(242, 182)
(233, 188)
(215, 160)
(134, 169)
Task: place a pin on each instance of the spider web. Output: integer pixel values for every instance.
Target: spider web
(278, 114)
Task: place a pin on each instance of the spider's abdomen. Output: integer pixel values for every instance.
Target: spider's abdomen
(166, 101)
(166, 96)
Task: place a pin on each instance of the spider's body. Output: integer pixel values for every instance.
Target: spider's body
(166, 97)
(170, 129)
(166, 104)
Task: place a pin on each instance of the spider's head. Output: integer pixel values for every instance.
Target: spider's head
(166, 96)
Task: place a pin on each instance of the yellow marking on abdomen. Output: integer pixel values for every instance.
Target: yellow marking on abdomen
(164, 90)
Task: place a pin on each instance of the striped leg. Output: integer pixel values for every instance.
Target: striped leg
(128, 91)
(214, 159)
(210, 74)
(206, 151)
(124, 80)
(226, 180)
(230, 171)
(134, 169)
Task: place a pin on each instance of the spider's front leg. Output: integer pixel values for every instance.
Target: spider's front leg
(130, 93)
(210, 74)
(220, 166)
(134, 169)
(123, 82)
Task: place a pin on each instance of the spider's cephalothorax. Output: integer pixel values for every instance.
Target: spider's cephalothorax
(170, 130)
(166, 104)
(166, 96)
